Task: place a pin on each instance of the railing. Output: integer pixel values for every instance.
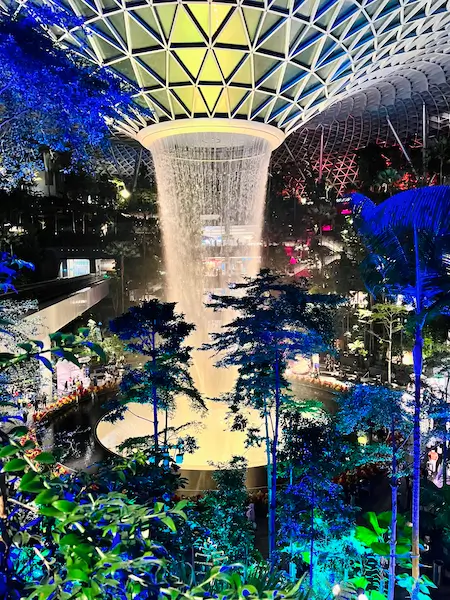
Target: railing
(53, 290)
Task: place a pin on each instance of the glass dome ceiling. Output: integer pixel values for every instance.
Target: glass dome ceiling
(281, 62)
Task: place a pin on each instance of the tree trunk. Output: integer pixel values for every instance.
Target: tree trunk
(415, 551)
(155, 398)
(394, 492)
(269, 468)
(389, 362)
(273, 486)
(311, 541)
(122, 280)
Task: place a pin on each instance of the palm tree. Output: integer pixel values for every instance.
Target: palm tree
(387, 179)
(440, 150)
(408, 237)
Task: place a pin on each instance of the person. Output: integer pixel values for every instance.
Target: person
(250, 514)
(433, 458)
(66, 386)
(316, 365)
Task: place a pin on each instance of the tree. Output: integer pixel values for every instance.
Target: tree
(371, 408)
(223, 512)
(275, 321)
(53, 103)
(392, 318)
(440, 151)
(313, 513)
(154, 330)
(408, 240)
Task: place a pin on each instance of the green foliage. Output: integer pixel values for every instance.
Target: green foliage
(157, 332)
(222, 513)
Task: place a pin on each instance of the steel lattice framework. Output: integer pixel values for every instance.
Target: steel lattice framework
(305, 66)
(277, 61)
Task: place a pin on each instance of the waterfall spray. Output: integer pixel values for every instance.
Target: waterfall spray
(210, 180)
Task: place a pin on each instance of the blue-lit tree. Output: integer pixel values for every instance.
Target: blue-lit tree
(155, 330)
(274, 321)
(408, 241)
(52, 102)
(313, 514)
(374, 408)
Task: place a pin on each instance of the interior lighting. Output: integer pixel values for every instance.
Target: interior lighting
(336, 590)
(362, 596)
(363, 440)
(124, 193)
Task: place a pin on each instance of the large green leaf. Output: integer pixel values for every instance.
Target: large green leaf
(366, 536)
(65, 506)
(18, 431)
(376, 595)
(71, 539)
(77, 575)
(45, 458)
(373, 520)
(380, 548)
(16, 464)
(46, 497)
(51, 511)
(169, 522)
(9, 450)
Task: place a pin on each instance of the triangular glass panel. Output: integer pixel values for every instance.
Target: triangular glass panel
(156, 61)
(252, 17)
(283, 4)
(292, 75)
(306, 57)
(219, 12)
(107, 50)
(160, 97)
(260, 101)
(323, 8)
(147, 80)
(297, 29)
(347, 10)
(140, 37)
(192, 59)
(185, 95)
(210, 94)
(244, 73)
(305, 9)
(184, 30)
(245, 108)
(147, 18)
(228, 60)
(235, 96)
(165, 14)
(118, 24)
(178, 110)
(126, 69)
(84, 9)
(201, 12)
(263, 65)
(233, 33)
(176, 72)
(222, 105)
(272, 82)
(270, 23)
(278, 107)
(277, 41)
(199, 104)
(210, 70)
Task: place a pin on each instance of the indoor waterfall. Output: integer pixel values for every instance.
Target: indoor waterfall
(211, 194)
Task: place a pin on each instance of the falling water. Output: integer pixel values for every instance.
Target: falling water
(211, 190)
